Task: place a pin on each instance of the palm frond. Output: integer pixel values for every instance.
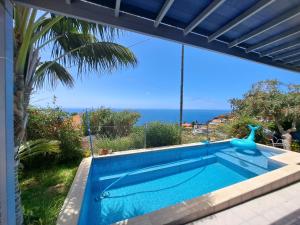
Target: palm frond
(103, 57)
(50, 34)
(40, 146)
(51, 73)
(20, 62)
(47, 26)
(99, 56)
(21, 17)
(70, 41)
(67, 26)
(74, 25)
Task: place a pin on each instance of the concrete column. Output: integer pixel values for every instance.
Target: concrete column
(7, 186)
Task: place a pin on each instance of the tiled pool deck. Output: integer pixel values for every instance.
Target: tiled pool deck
(199, 207)
(281, 207)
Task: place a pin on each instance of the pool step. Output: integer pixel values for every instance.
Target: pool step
(242, 165)
(153, 172)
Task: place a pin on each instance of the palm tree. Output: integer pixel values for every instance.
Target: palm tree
(72, 43)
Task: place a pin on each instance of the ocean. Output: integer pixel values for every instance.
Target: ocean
(168, 115)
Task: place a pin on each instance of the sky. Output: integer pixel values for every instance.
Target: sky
(211, 79)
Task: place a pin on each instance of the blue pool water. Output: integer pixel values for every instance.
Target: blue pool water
(122, 187)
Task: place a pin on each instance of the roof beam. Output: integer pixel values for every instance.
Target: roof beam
(167, 5)
(296, 63)
(267, 26)
(287, 55)
(241, 18)
(203, 15)
(117, 8)
(292, 60)
(274, 39)
(281, 48)
(103, 15)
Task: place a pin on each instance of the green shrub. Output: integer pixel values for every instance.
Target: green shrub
(295, 146)
(239, 128)
(44, 122)
(160, 134)
(133, 141)
(138, 137)
(157, 134)
(70, 144)
(116, 144)
(107, 123)
(54, 124)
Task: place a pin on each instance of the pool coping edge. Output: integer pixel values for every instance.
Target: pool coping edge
(70, 211)
(156, 149)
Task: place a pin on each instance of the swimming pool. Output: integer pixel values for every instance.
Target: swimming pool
(125, 186)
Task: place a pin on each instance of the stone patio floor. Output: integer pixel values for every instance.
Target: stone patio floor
(276, 208)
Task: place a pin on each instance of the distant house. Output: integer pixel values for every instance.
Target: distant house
(218, 120)
(214, 122)
(200, 129)
(187, 125)
(76, 122)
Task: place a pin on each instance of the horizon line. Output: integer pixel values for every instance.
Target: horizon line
(123, 108)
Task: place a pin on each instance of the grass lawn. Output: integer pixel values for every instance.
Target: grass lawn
(44, 191)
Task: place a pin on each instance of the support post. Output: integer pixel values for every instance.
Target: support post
(89, 132)
(7, 185)
(181, 90)
(145, 136)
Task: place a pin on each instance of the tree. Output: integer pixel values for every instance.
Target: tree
(72, 43)
(106, 123)
(271, 99)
